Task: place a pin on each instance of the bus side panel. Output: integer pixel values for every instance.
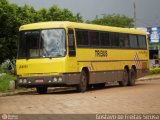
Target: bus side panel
(105, 76)
(110, 68)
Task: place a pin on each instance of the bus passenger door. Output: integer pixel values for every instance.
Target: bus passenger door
(72, 51)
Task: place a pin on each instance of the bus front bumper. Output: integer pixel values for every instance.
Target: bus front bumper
(62, 80)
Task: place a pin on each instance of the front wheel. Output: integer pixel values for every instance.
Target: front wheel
(82, 86)
(41, 90)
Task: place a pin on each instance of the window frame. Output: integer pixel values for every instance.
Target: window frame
(71, 52)
(91, 40)
(77, 39)
(142, 41)
(104, 46)
(19, 57)
(110, 41)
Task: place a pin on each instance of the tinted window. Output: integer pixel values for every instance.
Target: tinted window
(29, 44)
(70, 39)
(123, 41)
(94, 38)
(71, 43)
(82, 37)
(133, 41)
(104, 39)
(142, 41)
(114, 38)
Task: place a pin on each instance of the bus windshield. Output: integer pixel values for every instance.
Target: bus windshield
(42, 43)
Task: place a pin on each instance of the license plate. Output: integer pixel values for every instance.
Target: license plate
(39, 81)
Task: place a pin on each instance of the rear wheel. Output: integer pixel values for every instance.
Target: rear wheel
(124, 82)
(41, 90)
(82, 86)
(132, 77)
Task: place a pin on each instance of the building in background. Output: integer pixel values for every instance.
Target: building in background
(154, 45)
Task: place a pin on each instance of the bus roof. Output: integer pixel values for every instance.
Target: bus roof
(67, 24)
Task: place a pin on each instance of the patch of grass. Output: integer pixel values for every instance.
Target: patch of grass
(4, 82)
(155, 71)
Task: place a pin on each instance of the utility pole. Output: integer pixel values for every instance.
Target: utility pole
(135, 19)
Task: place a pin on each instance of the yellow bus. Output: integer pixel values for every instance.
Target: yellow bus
(82, 55)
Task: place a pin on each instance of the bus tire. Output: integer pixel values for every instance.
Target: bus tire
(82, 86)
(132, 77)
(41, 90)
(124, 82)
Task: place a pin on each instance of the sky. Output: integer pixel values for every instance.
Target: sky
(147, 11)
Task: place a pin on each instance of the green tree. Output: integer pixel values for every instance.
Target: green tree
(13, 16)
(7, 30)
(43, 14)
(56, 14)
(114, 20)
(79, 17)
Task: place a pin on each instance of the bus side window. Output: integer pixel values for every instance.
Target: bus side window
(142, 41)
(82, 38)
(94, 38)
(114, 38)
(133, 41)
(71, 43)
(123, 40)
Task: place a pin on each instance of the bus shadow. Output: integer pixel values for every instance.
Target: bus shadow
(63, 90)
(33, 92)
(72, 90)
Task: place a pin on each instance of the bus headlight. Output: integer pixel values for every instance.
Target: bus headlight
(24, 80)
(20, 81)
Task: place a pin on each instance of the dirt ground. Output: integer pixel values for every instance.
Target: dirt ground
(144, 98)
